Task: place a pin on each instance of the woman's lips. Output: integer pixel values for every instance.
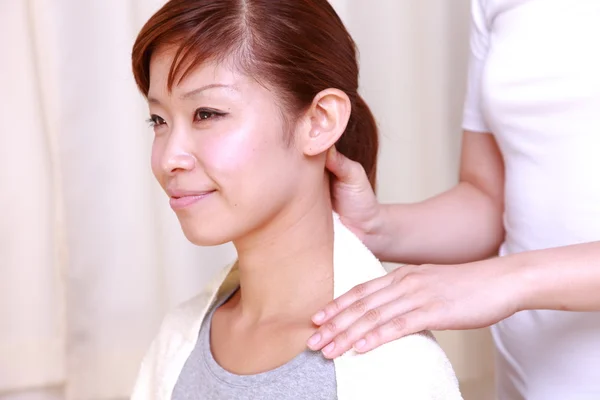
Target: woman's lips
(178, 203)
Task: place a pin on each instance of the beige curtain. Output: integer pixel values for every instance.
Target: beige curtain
(91, 256)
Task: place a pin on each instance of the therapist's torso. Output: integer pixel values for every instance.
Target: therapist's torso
(539, 94)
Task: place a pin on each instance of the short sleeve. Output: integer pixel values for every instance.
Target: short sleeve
(473, 119)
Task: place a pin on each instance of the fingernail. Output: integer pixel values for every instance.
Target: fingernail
(360, 344)
(320, 316)
(314, 339)
(329, 348)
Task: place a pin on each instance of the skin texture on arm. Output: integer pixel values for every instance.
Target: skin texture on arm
(563, 278)
(463, 294)
(460, 225)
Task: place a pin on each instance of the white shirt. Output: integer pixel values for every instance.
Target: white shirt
(534, 82)
(413, 367)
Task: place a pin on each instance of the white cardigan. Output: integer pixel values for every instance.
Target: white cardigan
(411, 368)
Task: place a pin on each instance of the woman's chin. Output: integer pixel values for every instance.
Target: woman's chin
(206, 238)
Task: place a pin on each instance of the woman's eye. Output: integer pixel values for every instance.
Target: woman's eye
(203, 114)
(155, 120)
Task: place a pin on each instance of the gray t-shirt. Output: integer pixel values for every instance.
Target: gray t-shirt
(308, 376)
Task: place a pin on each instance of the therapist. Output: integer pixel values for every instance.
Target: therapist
(529, 186)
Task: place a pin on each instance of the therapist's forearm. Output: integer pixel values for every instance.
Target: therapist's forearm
(460, 225)
(562, 278)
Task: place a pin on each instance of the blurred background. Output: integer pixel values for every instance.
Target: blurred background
(91, 256)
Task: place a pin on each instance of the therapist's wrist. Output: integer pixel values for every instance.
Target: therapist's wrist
(524, 279)
(378, 235)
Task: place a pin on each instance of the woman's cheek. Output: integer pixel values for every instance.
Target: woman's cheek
(230, 156)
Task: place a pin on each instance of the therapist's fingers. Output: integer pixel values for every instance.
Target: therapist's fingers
(346, 171)
(344, 311)
(344, 301)
(400, 326)
(369, 326)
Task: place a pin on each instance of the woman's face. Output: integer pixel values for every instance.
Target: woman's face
(220, 151)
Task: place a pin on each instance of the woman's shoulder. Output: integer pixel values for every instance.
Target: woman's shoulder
(169, 350)
(414, 367)
(424, 367)
(183, 322)
(177, 337)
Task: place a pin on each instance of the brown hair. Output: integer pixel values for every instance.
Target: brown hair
(298, 47)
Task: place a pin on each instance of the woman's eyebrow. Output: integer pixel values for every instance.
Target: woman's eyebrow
(195, 92)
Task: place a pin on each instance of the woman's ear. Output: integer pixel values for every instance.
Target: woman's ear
(328, 115)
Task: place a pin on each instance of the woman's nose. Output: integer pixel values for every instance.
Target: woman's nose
(176, 156)
(179, 161)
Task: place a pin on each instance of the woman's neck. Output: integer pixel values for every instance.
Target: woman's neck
(286, 269)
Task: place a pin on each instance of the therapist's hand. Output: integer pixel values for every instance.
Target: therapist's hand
(416, 298)
(355, 201)
(411, 298)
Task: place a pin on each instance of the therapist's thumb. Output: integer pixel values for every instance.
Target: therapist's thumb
(345, 170)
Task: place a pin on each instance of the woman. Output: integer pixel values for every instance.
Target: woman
(245, 98)
(529, 185)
